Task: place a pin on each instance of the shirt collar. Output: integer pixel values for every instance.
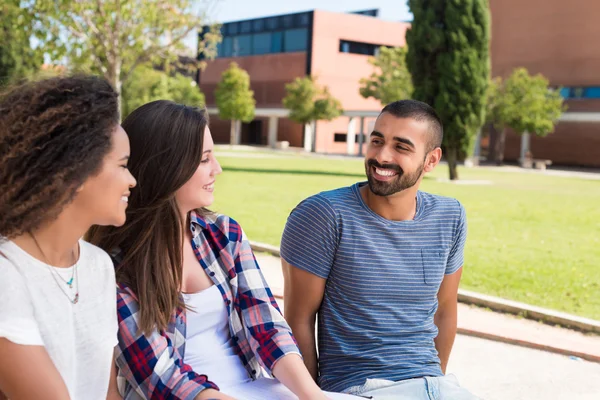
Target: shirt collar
(197, 223)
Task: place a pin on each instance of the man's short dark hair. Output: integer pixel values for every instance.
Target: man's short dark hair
(419, 111)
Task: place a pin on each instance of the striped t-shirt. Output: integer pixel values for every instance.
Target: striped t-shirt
(383, 276)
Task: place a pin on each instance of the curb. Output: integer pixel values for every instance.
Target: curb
(539, 314)
(529, 344)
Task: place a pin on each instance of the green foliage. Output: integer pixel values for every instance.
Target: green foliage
(233, 96)
(17, 57)
(309, 102)
(448, 58)
(391, 81)
(525, 103)
(113, 37)
(148, 84)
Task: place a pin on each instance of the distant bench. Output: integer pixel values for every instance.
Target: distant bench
(536, 164)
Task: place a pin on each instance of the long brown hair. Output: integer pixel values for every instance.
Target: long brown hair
(166, 148)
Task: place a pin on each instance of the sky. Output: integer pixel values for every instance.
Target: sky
(232, 10)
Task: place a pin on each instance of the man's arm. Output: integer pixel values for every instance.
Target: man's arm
(303, 294)
(446, 316)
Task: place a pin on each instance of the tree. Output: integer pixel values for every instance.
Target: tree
(148, 84)
(524, 103)
(114, 37)
(17, 57)
(448, 58)
(391, 81)
(234, 99)
(308, 103)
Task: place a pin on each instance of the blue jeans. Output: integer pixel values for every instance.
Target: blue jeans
(428, 388)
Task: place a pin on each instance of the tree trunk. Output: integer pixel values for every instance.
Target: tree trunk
(525, 144)
(500, 142)
(491, 156)
(451, 157)
(232, 132)
(308, 144)
(113, 76)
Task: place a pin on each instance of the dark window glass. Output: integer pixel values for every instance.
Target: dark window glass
(340, 137)
(261, 43)
(304, 19)
(245, 27)
(288, 21)
(367, 49)
(225, 47)
(232, 29)
(295, 40)
(258, 25)
(277, 42)
(592, 93)
(273, 23)
(242, 45)
(343, 137)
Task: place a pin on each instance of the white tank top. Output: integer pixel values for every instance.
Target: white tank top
(209, 349)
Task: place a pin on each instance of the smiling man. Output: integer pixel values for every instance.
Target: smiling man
(379, 262)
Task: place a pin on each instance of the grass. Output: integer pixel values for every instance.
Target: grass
(532, 238)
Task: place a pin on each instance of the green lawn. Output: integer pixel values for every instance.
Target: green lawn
(532, 238)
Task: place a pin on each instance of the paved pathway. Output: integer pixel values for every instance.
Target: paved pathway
(501, 371)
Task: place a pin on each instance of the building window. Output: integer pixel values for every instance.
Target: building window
(367, 49)
(225, 48)
(295, 40)
(232, 29)
(343, 138)
(242, 45)
(368, 13)
(288, 21)
(258, 25)
(304, 19)
(590, 92)
(273, 23)
(245, 27)
(261, 43)
(264, 36)
(277, 42)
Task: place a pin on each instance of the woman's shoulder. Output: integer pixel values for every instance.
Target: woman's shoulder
(95, 255)
(221, 224)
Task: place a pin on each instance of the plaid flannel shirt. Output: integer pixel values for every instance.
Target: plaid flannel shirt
(153, 367)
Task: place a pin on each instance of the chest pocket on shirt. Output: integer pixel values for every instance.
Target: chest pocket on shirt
(434, 264)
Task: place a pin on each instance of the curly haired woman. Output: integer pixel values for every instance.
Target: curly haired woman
(63, 168)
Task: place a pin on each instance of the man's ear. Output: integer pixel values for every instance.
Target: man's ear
(433, 159)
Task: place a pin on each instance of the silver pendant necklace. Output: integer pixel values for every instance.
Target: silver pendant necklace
(74, 275)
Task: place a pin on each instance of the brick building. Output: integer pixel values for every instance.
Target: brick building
(561, 40)
(555, 38)
(334, 47)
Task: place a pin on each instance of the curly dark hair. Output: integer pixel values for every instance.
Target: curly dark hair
(54, 134)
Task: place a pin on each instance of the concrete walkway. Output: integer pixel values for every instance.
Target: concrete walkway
(498, 369)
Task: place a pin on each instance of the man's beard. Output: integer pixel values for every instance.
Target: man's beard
(400, 182)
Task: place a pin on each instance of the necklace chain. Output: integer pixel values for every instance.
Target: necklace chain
(73, 300)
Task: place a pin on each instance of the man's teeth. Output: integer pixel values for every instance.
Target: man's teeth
(209, 187)
(385, 172)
